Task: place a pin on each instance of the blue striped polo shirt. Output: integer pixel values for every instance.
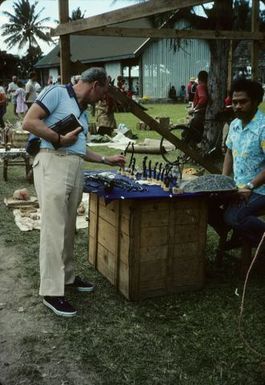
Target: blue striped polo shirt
(60, 101)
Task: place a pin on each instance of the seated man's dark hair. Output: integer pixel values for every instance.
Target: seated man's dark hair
(252, 88)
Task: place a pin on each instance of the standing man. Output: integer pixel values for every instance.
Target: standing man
(11, 90)
(245, 157)
(31, 89)
(59, 183)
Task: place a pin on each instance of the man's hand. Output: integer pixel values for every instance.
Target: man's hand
(116, 160)
(70, 138)
(243, 194)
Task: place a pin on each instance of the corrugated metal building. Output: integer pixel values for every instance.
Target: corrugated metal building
(163, 67)
(152, 65)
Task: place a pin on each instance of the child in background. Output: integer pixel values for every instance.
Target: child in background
(21, 108)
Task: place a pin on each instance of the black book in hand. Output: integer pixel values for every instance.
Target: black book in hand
(62, 127)
(66, 125)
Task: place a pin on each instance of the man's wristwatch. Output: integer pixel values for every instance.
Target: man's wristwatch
(250, 186)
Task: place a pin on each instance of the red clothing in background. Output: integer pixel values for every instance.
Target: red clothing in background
(228, 101)
(201, 97)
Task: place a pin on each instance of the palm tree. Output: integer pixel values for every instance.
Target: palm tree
(25, 26)
(77, 14)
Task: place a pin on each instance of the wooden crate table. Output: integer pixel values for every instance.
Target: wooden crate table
(149, 247)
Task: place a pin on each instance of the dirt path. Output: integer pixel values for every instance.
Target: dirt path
(32, 346)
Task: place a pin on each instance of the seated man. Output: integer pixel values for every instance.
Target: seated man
(172, 93)
(245, 157)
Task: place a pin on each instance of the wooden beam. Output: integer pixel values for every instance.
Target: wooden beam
(174, 33)
(134, 108)
(255, 45)
(65, 53)
(133, 12)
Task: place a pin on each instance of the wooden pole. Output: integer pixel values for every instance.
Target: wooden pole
(254, 44)
(65, 53)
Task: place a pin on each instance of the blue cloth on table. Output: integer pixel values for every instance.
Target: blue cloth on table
(150, 191)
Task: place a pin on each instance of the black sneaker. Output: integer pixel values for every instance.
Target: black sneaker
(81, 285)
(60, 306)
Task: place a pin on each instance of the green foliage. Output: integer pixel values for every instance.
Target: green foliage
(77, 14)
(8, 65)
(25, 26)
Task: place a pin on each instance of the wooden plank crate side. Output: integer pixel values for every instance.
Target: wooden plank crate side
(146, 248)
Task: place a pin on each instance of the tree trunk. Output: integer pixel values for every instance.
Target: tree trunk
(217, 87)
(218, 73)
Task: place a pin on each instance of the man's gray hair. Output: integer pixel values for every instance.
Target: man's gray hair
(94, 74)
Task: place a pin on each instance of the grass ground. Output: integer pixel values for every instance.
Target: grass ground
(184, 339)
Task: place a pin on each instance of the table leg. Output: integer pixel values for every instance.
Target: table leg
(5, 169)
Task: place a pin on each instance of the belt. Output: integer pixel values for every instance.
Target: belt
(60, 152)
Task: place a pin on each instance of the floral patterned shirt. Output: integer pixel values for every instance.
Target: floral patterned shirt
(248, 149)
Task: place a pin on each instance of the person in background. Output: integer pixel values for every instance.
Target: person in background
(3, 103)
(191, 89)
(196, 127)
(121, 84)
(111, 81)
(105, 118)
(11, 90)
(50, 81)
(58, 180)
(31, 93)
(245, 158)
(182, 93)
(58, 81)
(21, 108)
(172, 93)
(38, 88)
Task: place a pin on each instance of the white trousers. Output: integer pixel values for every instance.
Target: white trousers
(59, 184)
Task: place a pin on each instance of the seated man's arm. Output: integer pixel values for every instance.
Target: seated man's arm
(259, 180)
(228, 163)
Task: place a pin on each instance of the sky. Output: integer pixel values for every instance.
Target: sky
(92, 7)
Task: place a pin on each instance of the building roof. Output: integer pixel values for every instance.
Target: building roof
(91, 49)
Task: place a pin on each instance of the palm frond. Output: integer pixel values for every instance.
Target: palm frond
(25, 25)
